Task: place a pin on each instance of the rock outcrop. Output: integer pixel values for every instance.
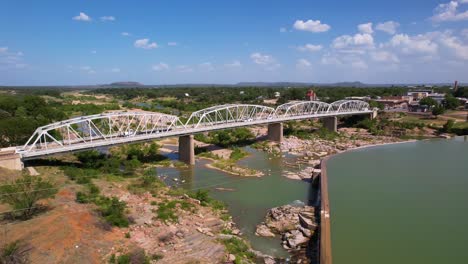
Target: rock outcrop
(294, 223)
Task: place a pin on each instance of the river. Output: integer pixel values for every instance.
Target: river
(402, 203)
(250, 197)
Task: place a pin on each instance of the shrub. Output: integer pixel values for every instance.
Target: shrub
(113, 211)
(166, 212)
(14, 253)
(447, 128)
(201, 195)
(24, 193)
(238, 248)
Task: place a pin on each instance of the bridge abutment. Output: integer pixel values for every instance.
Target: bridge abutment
(187, 149)
(275, 132)
(373, 115)
(331, 123)
(9, 159)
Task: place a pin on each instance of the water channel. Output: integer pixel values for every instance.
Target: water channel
(248, 198)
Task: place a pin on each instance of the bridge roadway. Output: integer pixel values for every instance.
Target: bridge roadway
(115, 128)
(176, 131)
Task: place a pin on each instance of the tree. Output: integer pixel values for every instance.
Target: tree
(438, 110)
(448, 126)
(451, 102)
(379, 105)
(24, 193)
(428, 101)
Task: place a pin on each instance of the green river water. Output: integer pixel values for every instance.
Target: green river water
(403, 203)
(250, 197)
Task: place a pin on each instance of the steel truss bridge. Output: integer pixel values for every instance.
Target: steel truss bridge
(114, 128)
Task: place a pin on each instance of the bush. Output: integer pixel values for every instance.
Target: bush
(238, 248)
(447, 128)
(237, 154)
(24, 193)
(166, 212)
(14, 253)
(113, 211)
(438, 110)
(203, 196)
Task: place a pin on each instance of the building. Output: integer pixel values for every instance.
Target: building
(311, 96)
(419, 94)
(415, 107)
(395, 101)
(363, 98)
(438, 97)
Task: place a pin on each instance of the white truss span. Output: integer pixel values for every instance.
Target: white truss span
(229, 113)
(113, 128)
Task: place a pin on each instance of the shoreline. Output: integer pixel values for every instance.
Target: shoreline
(325, 251)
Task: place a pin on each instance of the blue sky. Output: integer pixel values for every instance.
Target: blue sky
(175, 41)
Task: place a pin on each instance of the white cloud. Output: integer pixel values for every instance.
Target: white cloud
(10, 59)
(145, 44)
(303, 63)
(389, 27)
(184, 68)
(359, 65)
(172, 44)
(82, 17)
(331, 59)
(283, 30)
(234, 64)
(448, 12)
(125, 34)
(464, 33)
(353, 43)
(366, 28)
(87, 69)
(160, 67)
(311, 26)
(115, 70)
(414, 44)
(455, 45)
(310, 47)
(384, 56)
(261, 59)
(206, 66)
(107, 18)
(267, 61)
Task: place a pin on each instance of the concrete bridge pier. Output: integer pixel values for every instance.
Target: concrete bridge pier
(9, 159)
(331, 123)
(373, 115)
(275, 132)
(187, 149)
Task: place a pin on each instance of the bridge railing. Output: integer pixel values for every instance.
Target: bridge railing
(121, 127)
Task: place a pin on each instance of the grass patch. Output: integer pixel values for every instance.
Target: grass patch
(240, 249)
(167, 210)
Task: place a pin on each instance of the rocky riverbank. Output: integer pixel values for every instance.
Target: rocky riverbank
(296, 224)
(312, 151)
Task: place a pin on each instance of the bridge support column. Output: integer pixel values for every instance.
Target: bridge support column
(331, 123)
(373, 115)
(10, 160)
(187, 149)
(275, 132)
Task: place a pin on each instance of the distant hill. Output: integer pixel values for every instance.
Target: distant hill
(125, 84)
(302, 84)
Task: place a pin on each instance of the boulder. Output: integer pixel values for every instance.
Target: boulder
(264, 231)
(296, 238)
